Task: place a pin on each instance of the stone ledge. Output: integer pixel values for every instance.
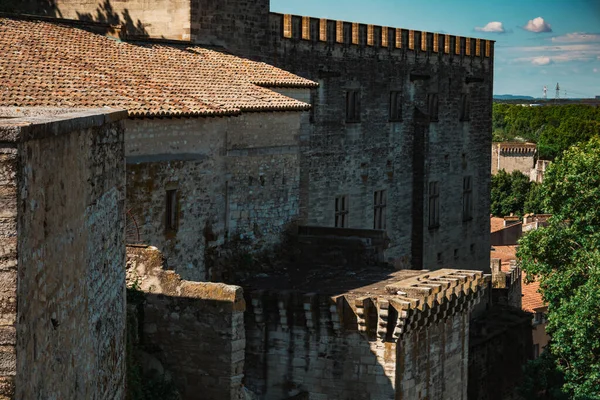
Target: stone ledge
(145, 267)
(25, 124)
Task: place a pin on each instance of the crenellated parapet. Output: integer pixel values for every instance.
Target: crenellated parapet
(510, 148)
(408, 305)
(382, 37)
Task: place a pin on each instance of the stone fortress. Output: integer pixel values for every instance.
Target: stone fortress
(337, 172)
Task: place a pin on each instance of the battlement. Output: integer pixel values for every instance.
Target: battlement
(385, 315)
(503, 278)
(381, 37)
(516, 148)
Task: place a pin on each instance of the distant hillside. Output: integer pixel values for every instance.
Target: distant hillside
(512, 97)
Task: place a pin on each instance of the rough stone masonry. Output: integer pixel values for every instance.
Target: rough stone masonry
(62, 194)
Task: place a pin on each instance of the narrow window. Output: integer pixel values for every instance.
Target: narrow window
(395, 106)
(434, 205)
(379, 206)
(467, 199)
(353, 106)
(432, 106)
(465, 107)
(341, 211)
(171, 211)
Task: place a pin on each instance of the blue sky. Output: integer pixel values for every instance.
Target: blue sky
(538, 42)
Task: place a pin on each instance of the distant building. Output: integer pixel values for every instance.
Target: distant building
(539, 171)
(512, 156)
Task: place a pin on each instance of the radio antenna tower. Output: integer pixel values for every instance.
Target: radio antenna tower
(545, 92)
(557, 91)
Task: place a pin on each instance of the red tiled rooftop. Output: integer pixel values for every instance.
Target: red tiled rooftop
(532, 298)
(50, 64)
(496, 224)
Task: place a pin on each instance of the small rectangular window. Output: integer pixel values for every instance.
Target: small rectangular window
(395, 106)
(353, 106)
(434, 205)
(432, 106)
(379, 208)
(171, 220)
(341, 211)
(467, 199)
(465, 107)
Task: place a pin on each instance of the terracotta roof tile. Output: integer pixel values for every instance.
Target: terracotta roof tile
(496, 224)
(532, 298)
(51, 64)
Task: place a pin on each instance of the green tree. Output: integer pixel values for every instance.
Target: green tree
(509, 193)
(533, 202)
(553, 127)
(565, 258)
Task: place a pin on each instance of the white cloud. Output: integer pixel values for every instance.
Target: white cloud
(494, 27)
(577, 37)
(541, 60)
(538, 25)
(544, 55)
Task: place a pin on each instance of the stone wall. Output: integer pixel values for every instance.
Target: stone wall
(236, 178)
(8, 267)
(500, 344)
(63, 180)
(356, 159)
(507, 236)
(409, 343)
(400, 157)
(506, 284)
(169, 19)
(196, 330)
(513, 157)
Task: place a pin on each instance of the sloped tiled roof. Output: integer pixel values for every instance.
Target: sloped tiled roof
(496, 224)
(532, 298)
(52, 64)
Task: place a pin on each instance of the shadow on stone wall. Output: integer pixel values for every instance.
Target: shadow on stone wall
(105, 13)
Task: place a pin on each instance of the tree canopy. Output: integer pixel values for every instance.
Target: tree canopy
(565, 258)
(514, 193)
(553, 128)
